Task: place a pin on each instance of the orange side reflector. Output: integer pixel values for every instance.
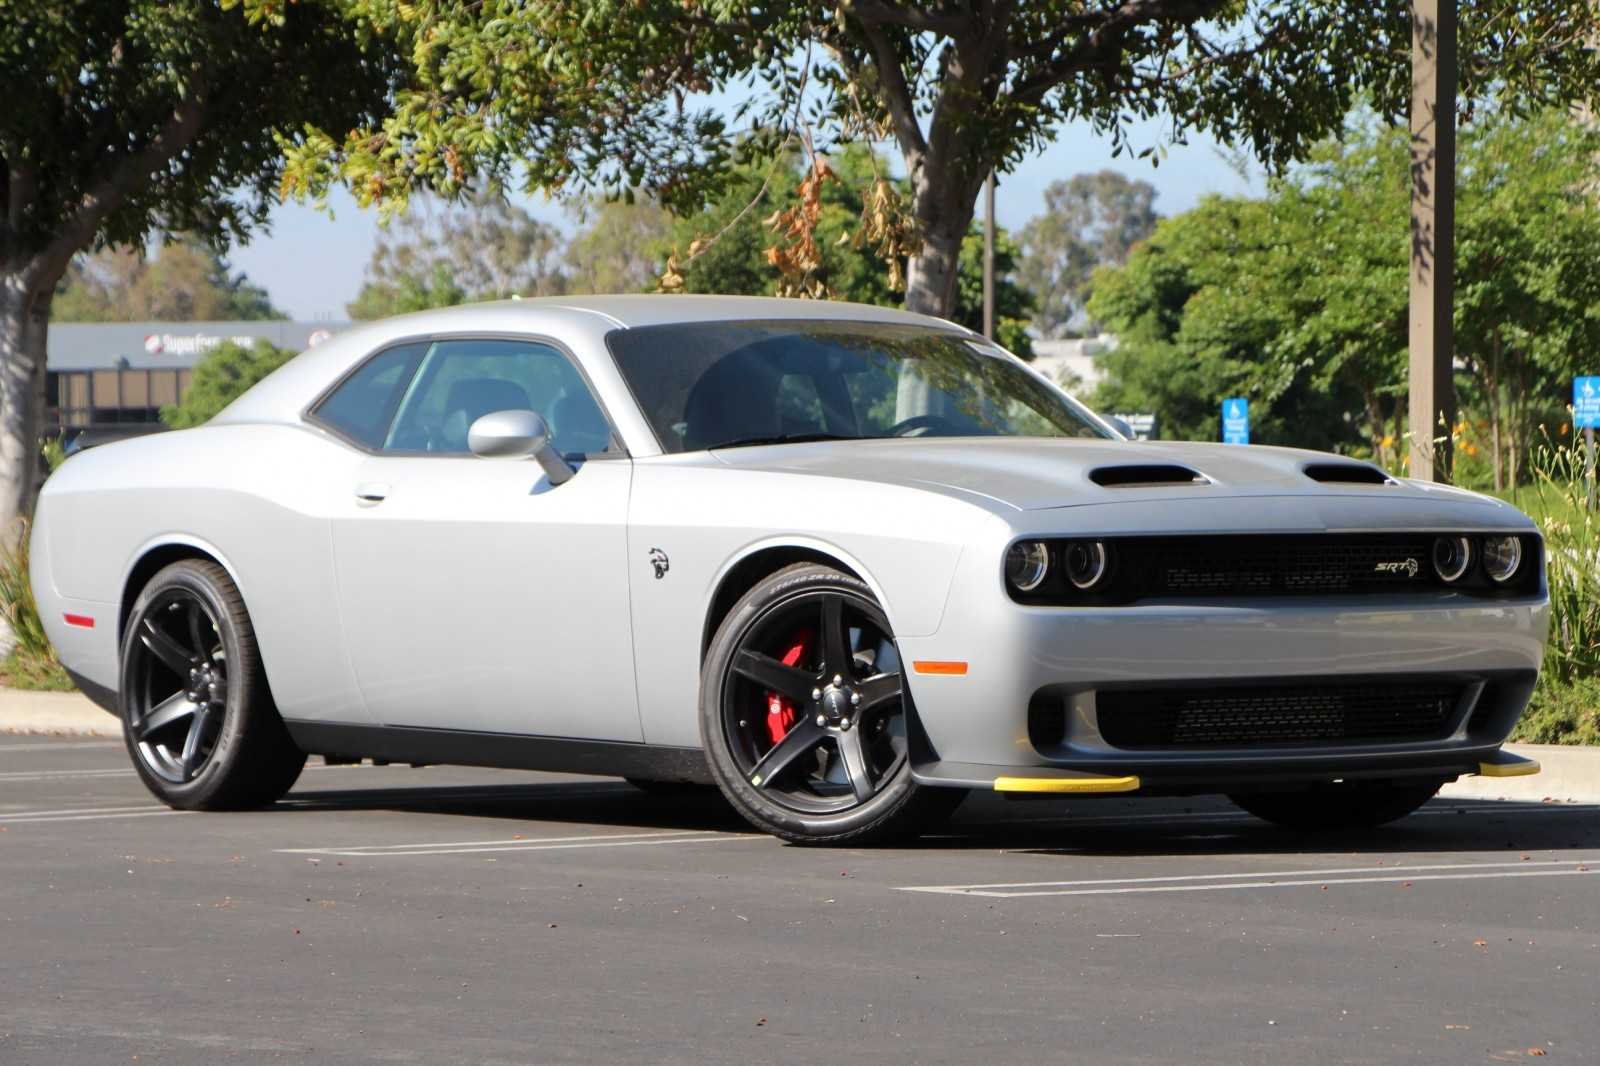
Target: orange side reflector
(940, 666)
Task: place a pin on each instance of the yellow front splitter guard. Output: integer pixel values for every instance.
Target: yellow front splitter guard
(1506, 764)
(1075, 785)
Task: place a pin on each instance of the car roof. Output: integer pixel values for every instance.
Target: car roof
(282, 395)
(632, 310)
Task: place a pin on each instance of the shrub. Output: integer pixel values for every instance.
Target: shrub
(222, 377)
(32, 662)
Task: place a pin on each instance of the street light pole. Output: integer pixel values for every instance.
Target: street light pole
(988, 256)
(1433, 193)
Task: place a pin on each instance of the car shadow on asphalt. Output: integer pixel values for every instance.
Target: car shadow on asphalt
(1109, 827)
(1217, 828)
(600, 802)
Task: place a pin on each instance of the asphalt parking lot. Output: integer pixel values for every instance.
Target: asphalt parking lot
(392, 915)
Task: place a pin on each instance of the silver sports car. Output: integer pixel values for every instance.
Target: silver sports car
(844, 562)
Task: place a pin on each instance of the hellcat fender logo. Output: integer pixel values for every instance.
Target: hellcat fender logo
(658, 559)
(1407, 567)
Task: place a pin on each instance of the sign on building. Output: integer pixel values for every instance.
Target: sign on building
(1140, 426)
(1586, 402)
(1236, 421)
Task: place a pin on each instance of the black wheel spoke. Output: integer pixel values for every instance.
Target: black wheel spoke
(803, 737)
(203, 637)
(775, 676)
(836, 656)
(856, 765)
(163, 714)
(878, 690)
(169, 651)
(191, 758)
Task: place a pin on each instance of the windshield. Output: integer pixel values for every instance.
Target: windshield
(726, 384)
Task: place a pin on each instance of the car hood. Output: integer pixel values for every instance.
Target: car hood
(1031, 474)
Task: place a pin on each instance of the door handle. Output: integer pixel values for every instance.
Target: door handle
(372, 491)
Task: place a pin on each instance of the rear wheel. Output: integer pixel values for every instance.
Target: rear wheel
(198, 718)
(806, 718)
(1351, 805)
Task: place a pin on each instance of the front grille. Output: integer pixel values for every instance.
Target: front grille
(1300, 714)
(1175, 568)
(1231, 566)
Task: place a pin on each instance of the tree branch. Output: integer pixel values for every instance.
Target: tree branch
(1105, 39)
(880, 13)
(124, 178)
(899, 102)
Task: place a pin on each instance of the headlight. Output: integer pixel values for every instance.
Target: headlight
(1084, 562)
(1451, 557)
(1502, 556)
(1027, 562)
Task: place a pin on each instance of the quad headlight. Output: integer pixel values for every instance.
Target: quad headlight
(1452, 556)
(1027, 563)
(1084, 562)
(1502, 557)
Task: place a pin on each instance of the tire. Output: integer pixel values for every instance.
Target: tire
(197, 715)
(1359, 805)
(841, 773)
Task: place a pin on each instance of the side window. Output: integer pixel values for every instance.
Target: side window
(460, 381)
(364, 404)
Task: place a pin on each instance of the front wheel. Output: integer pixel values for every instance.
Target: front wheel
(198, 718)
(805, 715)
(1352, 805)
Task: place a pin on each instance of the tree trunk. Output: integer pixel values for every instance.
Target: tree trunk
(931, 276)
(24, 322)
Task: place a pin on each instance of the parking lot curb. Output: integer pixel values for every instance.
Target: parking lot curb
(54, 713)
(1569, 773)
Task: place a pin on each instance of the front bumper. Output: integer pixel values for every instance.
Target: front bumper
(984, 725)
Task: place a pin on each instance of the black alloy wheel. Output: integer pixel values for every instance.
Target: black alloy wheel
(179, 691)
(198, 717)
(806, 715)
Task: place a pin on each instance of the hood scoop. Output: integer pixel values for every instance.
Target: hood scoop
(1146, 474)
(1347, 474)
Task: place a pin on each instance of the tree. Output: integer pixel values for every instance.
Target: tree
(222, 377)
(619, 247)
(573, 95)
(1089, 221)
(186, 282)
(443, 254)
(1299, 300)
(738, 259)
(124, 117)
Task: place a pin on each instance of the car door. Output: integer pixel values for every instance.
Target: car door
(473, 594)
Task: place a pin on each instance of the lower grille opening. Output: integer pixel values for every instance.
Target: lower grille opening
(1290, 715)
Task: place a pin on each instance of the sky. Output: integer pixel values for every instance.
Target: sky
(312, 265)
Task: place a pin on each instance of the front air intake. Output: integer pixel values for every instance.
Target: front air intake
(1347, 474)
(1117, 477)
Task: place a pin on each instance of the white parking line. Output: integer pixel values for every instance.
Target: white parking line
(90, 816)
(62, 745)
(1113, 886)
(476, 847)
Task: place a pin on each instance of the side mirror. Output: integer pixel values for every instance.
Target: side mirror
(518, 435)
(1121, 426)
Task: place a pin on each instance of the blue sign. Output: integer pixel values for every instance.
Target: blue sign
(1586, 402)
(1236, 421)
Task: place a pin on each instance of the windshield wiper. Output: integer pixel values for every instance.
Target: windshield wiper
(782, 438)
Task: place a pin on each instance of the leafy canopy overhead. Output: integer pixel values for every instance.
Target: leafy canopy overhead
(124, 117)
(617, 95)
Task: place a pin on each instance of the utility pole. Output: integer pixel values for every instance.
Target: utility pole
(988, 256)
(1433, 194)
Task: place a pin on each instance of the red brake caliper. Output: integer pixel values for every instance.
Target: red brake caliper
(781, 712)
